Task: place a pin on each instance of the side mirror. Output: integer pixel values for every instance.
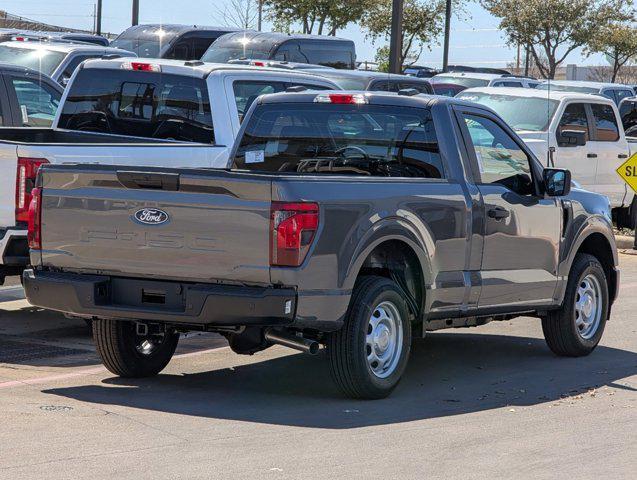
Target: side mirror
(64, 81)
(571, 138)
(557, 182)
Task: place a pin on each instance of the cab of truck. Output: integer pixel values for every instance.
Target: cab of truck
(316, 49)
(178, 42)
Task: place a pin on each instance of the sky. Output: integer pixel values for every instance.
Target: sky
(474, 41)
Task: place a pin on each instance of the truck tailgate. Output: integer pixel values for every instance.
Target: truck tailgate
(197, 225)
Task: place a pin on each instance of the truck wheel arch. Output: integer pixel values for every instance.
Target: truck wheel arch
(396, 254)
(595, 241)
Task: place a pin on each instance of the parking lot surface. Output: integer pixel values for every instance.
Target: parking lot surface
(488, 402)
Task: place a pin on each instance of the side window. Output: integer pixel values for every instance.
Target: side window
(421, 87)
(385, 86)
(181, 50)
(70, 68)
(247, 91)
(574, 118)
(199, 46)
(37, 101)
(628, 112)
(606, 129)
(500, 159)
(621, 94)
(511, 84)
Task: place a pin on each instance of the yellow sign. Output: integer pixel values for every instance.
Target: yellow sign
(628, 171)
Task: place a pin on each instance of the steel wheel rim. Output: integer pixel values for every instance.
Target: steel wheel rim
(588, 307)
(384, 339)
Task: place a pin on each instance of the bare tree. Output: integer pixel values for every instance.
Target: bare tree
(242, 14)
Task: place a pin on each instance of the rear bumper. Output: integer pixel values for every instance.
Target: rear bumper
(161, 301)
(14, 249)
(14, 252)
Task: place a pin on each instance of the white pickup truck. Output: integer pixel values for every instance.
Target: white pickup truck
(577, 131)
(126, 112)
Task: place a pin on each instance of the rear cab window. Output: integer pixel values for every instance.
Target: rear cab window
(141, 104)
(340, 139)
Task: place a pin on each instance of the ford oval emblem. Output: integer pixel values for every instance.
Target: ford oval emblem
(151, 216)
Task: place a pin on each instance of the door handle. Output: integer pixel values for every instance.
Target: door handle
(498, 213)
(622, 155)
(592, 155)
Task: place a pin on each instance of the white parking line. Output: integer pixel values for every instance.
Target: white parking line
(9, 294)
(85, 372)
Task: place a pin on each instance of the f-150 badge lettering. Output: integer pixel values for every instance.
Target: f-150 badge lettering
(151, 216)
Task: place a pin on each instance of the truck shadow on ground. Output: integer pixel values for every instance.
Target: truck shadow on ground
(449, 374)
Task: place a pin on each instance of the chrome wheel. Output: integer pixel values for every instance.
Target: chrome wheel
(384, 339)
(588, 307)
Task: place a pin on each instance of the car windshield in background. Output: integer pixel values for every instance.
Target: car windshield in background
(566, 88)
(467, 82)
(521, 113)
(139, 104)
(147, 43)
(37, 58)
(349, 82)
(223, 54)
(366, 140)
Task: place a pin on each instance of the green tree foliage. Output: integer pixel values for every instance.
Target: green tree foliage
(423, 21)
(322, 17)
(618, 42)
(554, 28)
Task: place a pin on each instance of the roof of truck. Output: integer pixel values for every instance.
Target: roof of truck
(533, 93)
(579, 83)
(195, 68)
(64, 47)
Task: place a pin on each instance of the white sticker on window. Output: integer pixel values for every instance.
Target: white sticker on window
(25, 114)
(255, 156)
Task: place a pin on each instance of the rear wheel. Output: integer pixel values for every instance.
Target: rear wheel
(576, 328)
(127, 353)
(369, 354)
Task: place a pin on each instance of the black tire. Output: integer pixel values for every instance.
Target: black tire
(560, 327)
(348, 348)
(117, 344)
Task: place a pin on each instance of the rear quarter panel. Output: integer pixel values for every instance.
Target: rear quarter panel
(8, 170)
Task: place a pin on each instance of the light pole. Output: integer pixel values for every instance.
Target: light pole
(98, 21)
(445, 51)
(135, 20)
(396, 40)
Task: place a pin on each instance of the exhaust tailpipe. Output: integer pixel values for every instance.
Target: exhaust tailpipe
(292, 341)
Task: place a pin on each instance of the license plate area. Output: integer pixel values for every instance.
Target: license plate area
(147, 294)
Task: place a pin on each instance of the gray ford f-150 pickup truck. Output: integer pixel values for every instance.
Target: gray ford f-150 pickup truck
(350, 220)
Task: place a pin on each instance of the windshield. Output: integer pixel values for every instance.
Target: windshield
(145, 43)
(463, 81)
(566, 88)
(521, 113)
(367, 140)
(349, 83)
(37, 58)
(224, 53)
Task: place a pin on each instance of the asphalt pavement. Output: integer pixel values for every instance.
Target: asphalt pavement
(489, 402)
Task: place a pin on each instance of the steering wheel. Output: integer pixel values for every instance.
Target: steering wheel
(341, 152)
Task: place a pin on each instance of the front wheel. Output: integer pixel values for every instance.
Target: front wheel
(127, 353)
(575, 329)
(369, 354)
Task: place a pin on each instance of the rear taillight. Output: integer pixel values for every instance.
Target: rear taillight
(25, 181)
(294, 227)
(34, 232)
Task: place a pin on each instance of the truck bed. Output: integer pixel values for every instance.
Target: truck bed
(45, 136)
